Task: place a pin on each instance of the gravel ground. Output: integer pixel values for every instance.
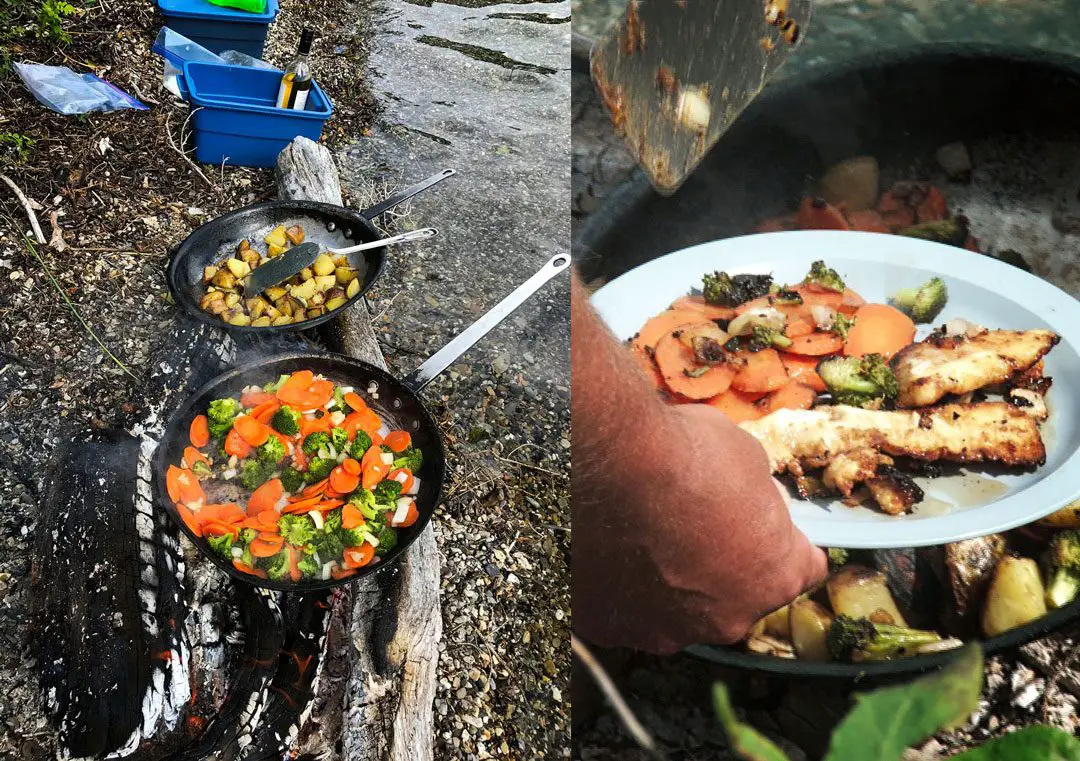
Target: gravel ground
(123, 196)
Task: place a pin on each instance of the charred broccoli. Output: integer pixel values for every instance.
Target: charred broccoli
(411, 459)
(764, 338)
(857, 639)
(925, 302)
(313, 442)
(286, 420)
(1061, 565)
(952, 231)
(292, 480)
(296, 529)
(837, 557)
(360, 444)
(722, 289)
(272, 450)
(859, 382)
(841, 324)
(220, 415)
(319, 468)
(255, 472)
(785, 296)
(824, 277)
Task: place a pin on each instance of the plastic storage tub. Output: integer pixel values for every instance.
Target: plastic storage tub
(217, 28)
(235, 119)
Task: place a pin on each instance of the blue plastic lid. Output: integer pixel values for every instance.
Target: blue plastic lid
(202, 9)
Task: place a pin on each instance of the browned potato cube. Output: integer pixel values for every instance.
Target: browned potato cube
(284, 305)
(295, 234)
(250, 257)
(217, 307)
(257, 307)
(208, 273)
(282, 320)
(316, 312)
(317, 299)
(306, 274)
(224, 279)
(209, 298)
(336, 303)
(232, 299)
(274, 292)
(245, 245)
(353, 289)
(260, 322)
(345, 275)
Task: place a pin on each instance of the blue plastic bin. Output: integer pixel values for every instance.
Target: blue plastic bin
(236, 120)
(217, 28)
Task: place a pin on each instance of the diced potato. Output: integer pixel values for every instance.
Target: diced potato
(336, 303)
(250, 257)
(282, 320)
(304, 291)
(224, 279)
(218, 307)
(763, 644)
(860, 592)
(237, 318)
(306, 274)
(284, 305)
(272, 312)
(260, 322)
(323, 265)
(345, 275)
(317, 299)
(315, 312)
(274, 292)
(325, 282)
(778, 623)
(295, 234)
(245, 245)
(353, 289)
(209, 298)
(208, 273)
(272, 250)
(810, 624)
(335, 293)
(1015, 597)
(341, 260)
(232, 299)
(1066, 517)
(238, 267)
(257, 307)
(853, 183)
(277, 237)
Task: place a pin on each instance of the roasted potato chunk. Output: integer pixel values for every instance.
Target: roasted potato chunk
(236, 318)
(257, 307)
(277, 237)
(245, 245)
(250, 257)
(810, 624)
(315, 312)
(208, 273)
(306, 274)
(345, 275)
(295, 234)
(304, 291)
(353, 288)
(1015, 596)
(232, 299)
(272, 251)
(274, 292)
(323, 265)
(325, 282)
(260, 322)
(238, 267)
(860, 592)
(210, 297)
(223, 278)
(336, 303)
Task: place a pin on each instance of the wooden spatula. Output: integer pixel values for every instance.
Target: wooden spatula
(674, 74)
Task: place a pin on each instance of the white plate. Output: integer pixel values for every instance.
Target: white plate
(981, 289)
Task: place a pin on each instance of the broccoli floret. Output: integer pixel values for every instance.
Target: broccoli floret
(859, 382)
(339, 398)
(763, 338)
(220, 414)
(201, 469)
(360, 444)
(296, 529)
(387, 491)
(221, 544)
(277, 567)
(255, 472)
(857, 639)
(925, 302)
(786, 296)
(319, 468)
(837, 557)
(411, 459)
(356, 536)
(951, 232)
(331, 522)
(286, 420)
(387, 537)
(291, 479)
(273, 386)
(722, 289)
(364, 501)
(313, 442)
(339, 437)
(247, 536)
(271, 451)
(1061, 566)
(308, 566)
(824, 277)
(841, 324)
(329, 541)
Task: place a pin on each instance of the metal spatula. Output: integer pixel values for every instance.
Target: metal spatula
(674, 74)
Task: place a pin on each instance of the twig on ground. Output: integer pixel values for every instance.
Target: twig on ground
(172, 144)
(29, 206)
(1051, 683)
(57, 240)
(75, 312)
(529, 466)
(382, 311)
(638, 732)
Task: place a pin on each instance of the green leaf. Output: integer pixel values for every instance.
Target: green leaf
(1038, 743)
(885, 722)
(744, 739)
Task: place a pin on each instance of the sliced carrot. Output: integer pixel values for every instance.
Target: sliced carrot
(322, 391)
(329, 504)
(316, 488)
(775, 225)
(342, 481)
(895, 211)
(813, 294)
(355, 401)
(662, 325)
(374, 473)
(188, 487)
(219, 528)
(294, 565)
(372, 456)
(193, 455)
(298, 381)
(268, 520)
(799, 325)
(410, 518)
(189, 520)
(303, 505)
(850, 302)
(309, 425)
(878, 329)
(199, 432)
(265, 497)
(235, 444)
(351, 517)
(793, 396)
(352, 467)
(737, 405)
(698, 304)
(228, 512)
(868, 221)
(817, 214)
(398, 441)
(264, 413)
(263, 547)
(933, 207)
(358, 557)
(407, 483)
(763, 371)
(342, 573)
(685, 376)
(251, 430)
(245, 568)
(816, 344)
(253, 399)
(803, 370)
(172, 482)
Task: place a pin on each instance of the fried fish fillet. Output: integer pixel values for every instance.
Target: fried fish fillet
(929, 370)
(983, 432)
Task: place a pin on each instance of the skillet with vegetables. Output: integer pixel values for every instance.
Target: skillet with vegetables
(298, 480)
(839, 392)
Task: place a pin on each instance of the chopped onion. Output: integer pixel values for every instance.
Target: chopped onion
(323, 452)
(343, 457)
(337, 418)
(743, 325)
(233, 461)
(370, 538)
(384, 430)
(958, 326)
(415, 488)
(237, 553)
(824, 316)
(327, 567)
(402, 511)
(387, 458)
(346, 390)
(316, 518)
(401, 477)
(229, 474)
(281, 503)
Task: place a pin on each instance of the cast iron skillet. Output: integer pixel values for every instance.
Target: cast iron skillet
(1014, 108)
(329, 225)
(399, 405)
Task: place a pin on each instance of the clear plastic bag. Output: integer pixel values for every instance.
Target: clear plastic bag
(64, 91)
(236, 58)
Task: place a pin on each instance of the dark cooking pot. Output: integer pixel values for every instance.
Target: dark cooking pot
(1014, 108)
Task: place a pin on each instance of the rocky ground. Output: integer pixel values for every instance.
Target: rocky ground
(123, 193)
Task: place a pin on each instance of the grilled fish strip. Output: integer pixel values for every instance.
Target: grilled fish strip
(984, 432)
(930, 370)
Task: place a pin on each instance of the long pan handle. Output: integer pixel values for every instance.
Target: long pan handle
(447, 355)
(406, 194)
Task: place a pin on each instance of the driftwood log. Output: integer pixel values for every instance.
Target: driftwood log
(393, 619)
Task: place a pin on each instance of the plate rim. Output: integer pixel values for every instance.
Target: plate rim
(952, 262)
